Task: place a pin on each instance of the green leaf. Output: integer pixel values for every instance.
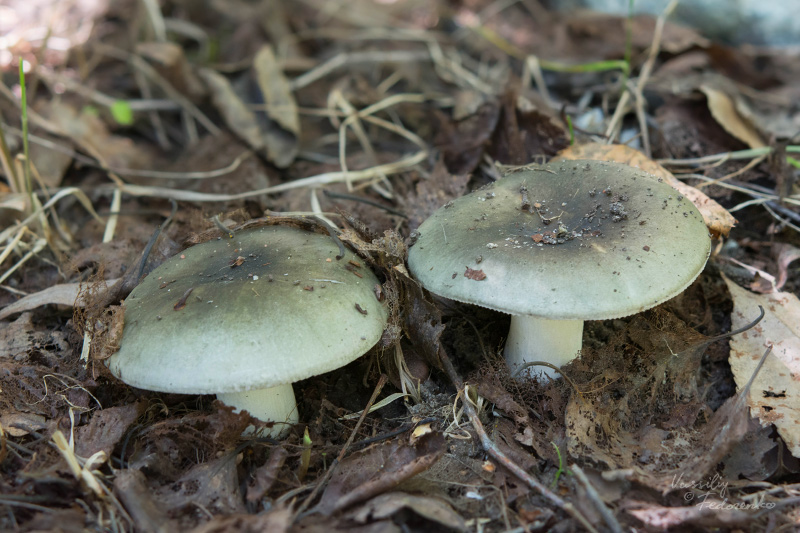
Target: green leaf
(122, 112)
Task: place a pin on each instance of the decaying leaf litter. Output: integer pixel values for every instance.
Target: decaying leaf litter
(161, 126)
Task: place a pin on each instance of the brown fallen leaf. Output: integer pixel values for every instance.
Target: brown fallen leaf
(392, 503)
(90, 133)
(755, 457)
(236, 114)
(674, 443)
(716, 217)
(50, 164)
(21, 424)
(763, 282)
(130, 486)
(106, 428)
(786, 255)
(213, 484)
(282, 127)
(266, 475)
(775, 394)
(462, 139)
(724, 111)
(378, 469)
(526, 129)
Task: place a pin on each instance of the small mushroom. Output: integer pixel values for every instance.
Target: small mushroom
(246, 332)
(609, 256)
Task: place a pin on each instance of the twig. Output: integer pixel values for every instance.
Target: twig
(783, 221)
(362, 199)
(350, 58)
(152, 114)
(720, 158)
(156, 20)
(140, 64)
(644, 76)
(332, 232)
(157, 174)
(322, 482)
(726, 177)
(320, 179)
(492, 449)
(591, 492)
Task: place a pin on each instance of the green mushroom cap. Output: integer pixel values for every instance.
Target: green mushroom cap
(571, 240)
(268, 307)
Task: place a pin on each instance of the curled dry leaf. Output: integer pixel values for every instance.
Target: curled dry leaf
(390, 504)
(282, 129)
(724, 111)
(274, 131)
(237, 116)
(717, 218)
(775, 395)
(786, 255)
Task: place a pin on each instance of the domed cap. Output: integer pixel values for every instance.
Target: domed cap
(577, 240)
(268, 307)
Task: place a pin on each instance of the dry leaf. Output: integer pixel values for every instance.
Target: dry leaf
(755, 457)
(786, 255)
(90, 133)
(237, 116)
(775, 395)
(278, 95)
(130, 486)
(20, 424)
(50, 164)
(716, 217)
(390, 504)
(763, 281)
(170, 61)
(276, 520)
(723, 109)
(106, 428)
(377, 469)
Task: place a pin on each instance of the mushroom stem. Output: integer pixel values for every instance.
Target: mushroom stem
(275, 404)
(532, 339)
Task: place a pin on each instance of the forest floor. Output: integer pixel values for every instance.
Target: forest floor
(143, 128)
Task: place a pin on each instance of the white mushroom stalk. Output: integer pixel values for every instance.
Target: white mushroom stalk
(275, 404)
(533, 339)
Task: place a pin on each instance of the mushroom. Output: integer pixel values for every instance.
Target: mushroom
(559, 244)
(246, 317)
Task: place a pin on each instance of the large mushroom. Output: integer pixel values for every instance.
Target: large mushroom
(559, 244)
(244, 318)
